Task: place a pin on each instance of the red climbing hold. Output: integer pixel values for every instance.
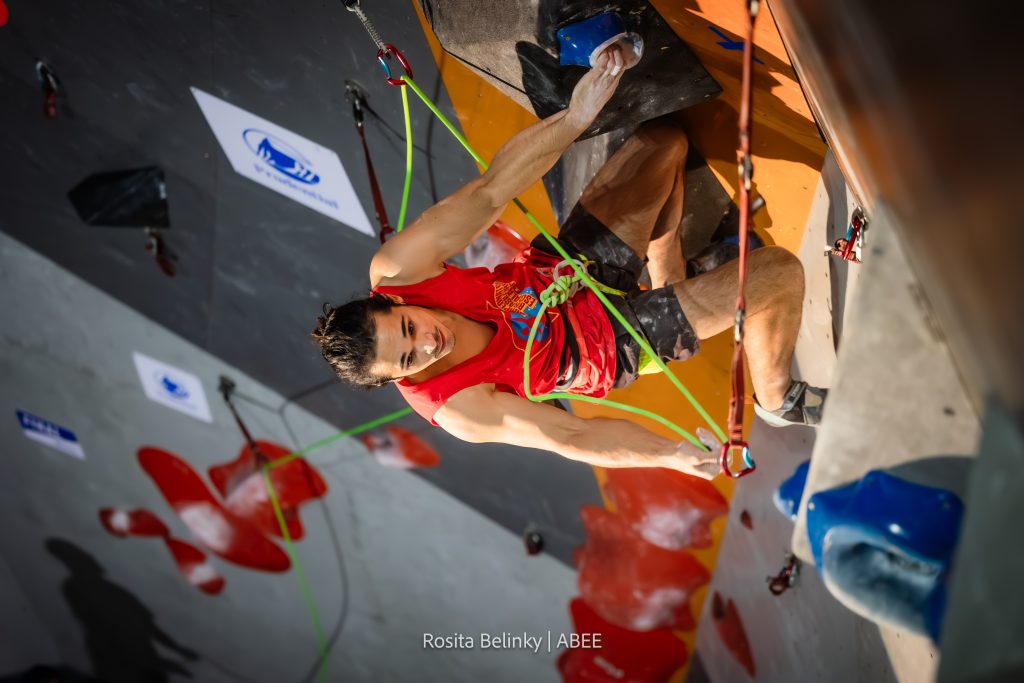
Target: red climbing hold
(730, 630)
(500, 244)
(624, 655)
(400, 448)
(194, 567)
(125, 523)
(240, 482)
(4, 14)
(235, 539)
(632, 583)
(745, 520)
(191, 561)
(669, 509)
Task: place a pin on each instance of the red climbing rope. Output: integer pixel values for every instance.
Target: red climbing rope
(746, 172)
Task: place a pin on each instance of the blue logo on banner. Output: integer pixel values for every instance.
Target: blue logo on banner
(171, 387)
(280, 156)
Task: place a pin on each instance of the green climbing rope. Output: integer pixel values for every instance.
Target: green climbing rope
(307, 593)
(359, 429)
(300, 572)
(408, 162)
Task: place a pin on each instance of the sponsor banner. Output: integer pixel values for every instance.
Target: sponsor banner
(172, 387)
(50, 434)
(284, 161)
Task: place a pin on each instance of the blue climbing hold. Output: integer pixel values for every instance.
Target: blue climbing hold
(884, 546)
(581, 42)
(787, 496)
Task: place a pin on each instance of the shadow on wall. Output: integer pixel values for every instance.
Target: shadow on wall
(120, 632)
(42, 673)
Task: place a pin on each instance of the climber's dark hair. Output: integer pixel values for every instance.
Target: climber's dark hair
(347, 335)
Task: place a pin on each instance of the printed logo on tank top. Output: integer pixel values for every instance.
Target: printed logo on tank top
(522, 306)
(506, 298)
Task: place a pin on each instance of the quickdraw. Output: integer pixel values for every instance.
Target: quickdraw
(50, 85)
(161, 253)
(358, 99)
(746, 174)
(851, 247)
(787, 576)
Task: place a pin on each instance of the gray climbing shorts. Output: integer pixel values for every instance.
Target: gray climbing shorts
(655, 313)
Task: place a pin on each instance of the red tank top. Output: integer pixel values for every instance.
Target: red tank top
(508, 298)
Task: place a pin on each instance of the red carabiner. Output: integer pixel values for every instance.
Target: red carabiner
(382, 57)
(726, 458)
(847, 249)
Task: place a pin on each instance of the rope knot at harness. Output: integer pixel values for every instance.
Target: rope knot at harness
(563, 287)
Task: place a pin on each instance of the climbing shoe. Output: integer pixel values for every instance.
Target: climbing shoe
(803, 405)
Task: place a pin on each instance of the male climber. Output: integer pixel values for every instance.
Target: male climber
(453, 339)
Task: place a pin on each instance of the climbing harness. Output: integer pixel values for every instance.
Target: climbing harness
(585, 278)
(746, 172)
(851, 247)
(358, 99)
(787, 576)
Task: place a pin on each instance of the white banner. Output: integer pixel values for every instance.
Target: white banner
(284, 161)
(172, 387)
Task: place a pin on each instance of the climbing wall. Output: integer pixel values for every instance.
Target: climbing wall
(129, 554)
(175, 87)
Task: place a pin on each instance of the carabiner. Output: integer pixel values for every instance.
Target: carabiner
(382, 56)
(726, 458)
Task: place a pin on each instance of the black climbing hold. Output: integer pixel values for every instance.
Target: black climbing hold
(134, 198)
